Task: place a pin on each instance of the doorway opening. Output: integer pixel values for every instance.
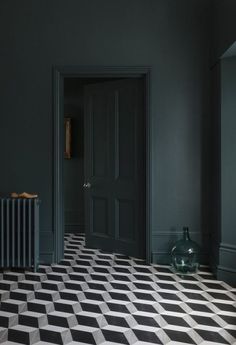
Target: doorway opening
(103, 189)
(74, 176)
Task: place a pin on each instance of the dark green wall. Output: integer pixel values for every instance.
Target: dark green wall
(227, 253)
(168, 35)
(228, 148)
(223, 145)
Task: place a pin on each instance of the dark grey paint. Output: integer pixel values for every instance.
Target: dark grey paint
(228, 149)
(227, 253)
(169, 35)
(223, 238)
(115, 166)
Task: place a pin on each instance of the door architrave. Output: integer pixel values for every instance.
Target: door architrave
(59, 74)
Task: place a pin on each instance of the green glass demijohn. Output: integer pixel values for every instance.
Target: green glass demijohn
(185, 254)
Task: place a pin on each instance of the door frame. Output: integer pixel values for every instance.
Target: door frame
(59, 74)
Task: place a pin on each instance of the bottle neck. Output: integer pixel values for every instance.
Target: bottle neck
(186, 234)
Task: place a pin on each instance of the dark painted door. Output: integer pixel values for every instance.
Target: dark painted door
(115, 166)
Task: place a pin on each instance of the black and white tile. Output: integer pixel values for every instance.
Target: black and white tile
(93, 297)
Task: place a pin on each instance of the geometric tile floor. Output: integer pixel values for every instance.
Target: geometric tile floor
(93, 297)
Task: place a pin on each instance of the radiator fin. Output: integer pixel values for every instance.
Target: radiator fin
(19, 233)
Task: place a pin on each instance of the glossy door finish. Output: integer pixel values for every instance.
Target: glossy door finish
(115, 166)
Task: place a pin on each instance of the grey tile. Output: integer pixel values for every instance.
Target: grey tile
(94, 297)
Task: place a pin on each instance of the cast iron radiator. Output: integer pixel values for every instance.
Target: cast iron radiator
(19, 233)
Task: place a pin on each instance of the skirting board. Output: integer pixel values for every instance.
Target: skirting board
(214, 256)
(226, 270)
(74, 228)
(161, 258)
(46, 258)
(46, 250)
(163, 241)
(226, 275)
(164, 258)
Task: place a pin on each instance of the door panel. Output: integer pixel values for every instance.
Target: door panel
(115, 166)
(125, 215)
(99, 137)
(125, 133)
(99, 216)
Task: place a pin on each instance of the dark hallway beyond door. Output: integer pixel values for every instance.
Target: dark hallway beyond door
(74, 167)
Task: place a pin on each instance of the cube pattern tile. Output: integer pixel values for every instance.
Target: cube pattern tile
(93, 297)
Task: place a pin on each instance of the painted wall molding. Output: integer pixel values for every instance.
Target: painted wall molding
(226, 274)
(74, 227)
(46, 257)
(59, 73)
(165, 239)
(226, 268)
(164, 258)
(173, 232)
(227, 247)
